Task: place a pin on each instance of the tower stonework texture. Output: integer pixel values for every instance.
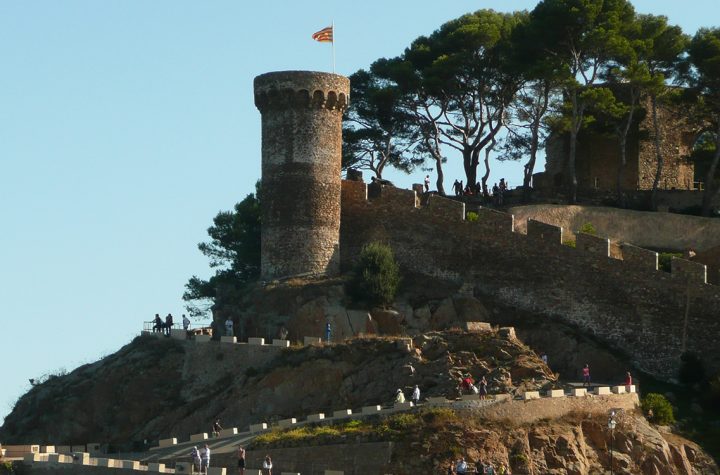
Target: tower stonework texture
(301, 160)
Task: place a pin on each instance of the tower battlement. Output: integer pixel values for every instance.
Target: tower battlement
(301, 89)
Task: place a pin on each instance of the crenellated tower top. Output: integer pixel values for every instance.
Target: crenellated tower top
(301, 89)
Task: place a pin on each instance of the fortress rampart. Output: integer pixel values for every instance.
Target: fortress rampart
(301, 154)
(650, 315)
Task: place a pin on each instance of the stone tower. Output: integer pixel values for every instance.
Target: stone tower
(301, 154)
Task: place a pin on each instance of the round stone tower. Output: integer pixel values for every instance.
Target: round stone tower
(301, 154)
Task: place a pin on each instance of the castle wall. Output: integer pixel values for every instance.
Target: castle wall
(627, 304)
(301, 154)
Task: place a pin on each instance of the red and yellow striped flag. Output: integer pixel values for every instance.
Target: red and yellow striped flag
(324, 36)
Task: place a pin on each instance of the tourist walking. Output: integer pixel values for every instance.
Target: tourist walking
(399, 396)
(586, 375)
(427, 183)
(461, 466)
(482, 388)
(416, 395)
(267, 465)
(186, 322)
(241, 460)
(195, 456)
(229, 327)
(204, 459)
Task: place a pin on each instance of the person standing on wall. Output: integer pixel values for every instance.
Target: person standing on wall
(427, 183)
(186, 322)
(229, 327)
(328, 332)
(168, 323)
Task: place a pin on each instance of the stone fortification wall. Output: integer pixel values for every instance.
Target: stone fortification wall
(644, 229)
(301, 153)
(628, 304)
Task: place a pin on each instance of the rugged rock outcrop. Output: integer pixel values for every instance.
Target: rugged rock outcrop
(156, 387)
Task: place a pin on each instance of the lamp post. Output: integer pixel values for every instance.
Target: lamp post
(611, 425)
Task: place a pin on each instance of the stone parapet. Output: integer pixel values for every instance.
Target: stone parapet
(527, 395)
(602, 391)
(228, 339)
(256, 341)
(312, 340)
(593, 244)
(281, 343)
(688, 270)
(199, 437)
(168, 442)
(202, 338)
(639, 257)
(579, 392)
(369, 410)
(556, 393)
(316, 417)
(285, 423)
(545, 233)
(258, 427)
(343, 413)
(228, 432)
(494, 220)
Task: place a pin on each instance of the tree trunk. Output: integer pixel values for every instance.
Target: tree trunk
(571, 178)
(622, 202)
(487, 171)
(530, 166)
(470, 163)
(658, 154)
(440, 177)
(711, 189)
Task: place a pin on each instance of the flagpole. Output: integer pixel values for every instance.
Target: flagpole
(333, 45)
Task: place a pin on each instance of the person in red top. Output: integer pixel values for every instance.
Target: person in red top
(586, 375)
(628, 379)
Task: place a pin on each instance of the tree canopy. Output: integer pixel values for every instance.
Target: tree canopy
(234, 251)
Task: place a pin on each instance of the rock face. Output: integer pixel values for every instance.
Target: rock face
(577, 444)
(157, 388)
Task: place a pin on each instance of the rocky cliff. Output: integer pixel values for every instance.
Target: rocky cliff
(157, 387)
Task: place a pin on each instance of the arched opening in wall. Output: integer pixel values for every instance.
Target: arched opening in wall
(318, 99)
(342, 100)
(331, 100)
(701, 155)
(302, 98)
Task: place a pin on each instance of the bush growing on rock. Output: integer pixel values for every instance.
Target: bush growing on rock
(661, 408)
(377, 275)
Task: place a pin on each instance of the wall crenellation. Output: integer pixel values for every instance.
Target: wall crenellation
(621, 297)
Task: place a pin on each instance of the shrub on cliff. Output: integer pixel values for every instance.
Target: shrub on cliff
(661, 408)
(377, 275)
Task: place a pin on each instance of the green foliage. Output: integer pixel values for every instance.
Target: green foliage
(661, 408)
(714, 393)
(377, 275)
(234, 250)
(472, 217)
(377, 131)
(588, 228)
(665, 259)
(570, 243)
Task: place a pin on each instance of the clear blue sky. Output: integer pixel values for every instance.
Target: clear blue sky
(126, 125)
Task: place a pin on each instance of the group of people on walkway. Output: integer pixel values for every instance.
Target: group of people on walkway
(160, 326)
(467, 385)
(415, 397)
(461, 467)
(497, 196)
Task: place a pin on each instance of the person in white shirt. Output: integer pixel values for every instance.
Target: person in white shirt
(416, 394)
(267, 465)
(204, 459)
(461, 467)
(186, 322)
